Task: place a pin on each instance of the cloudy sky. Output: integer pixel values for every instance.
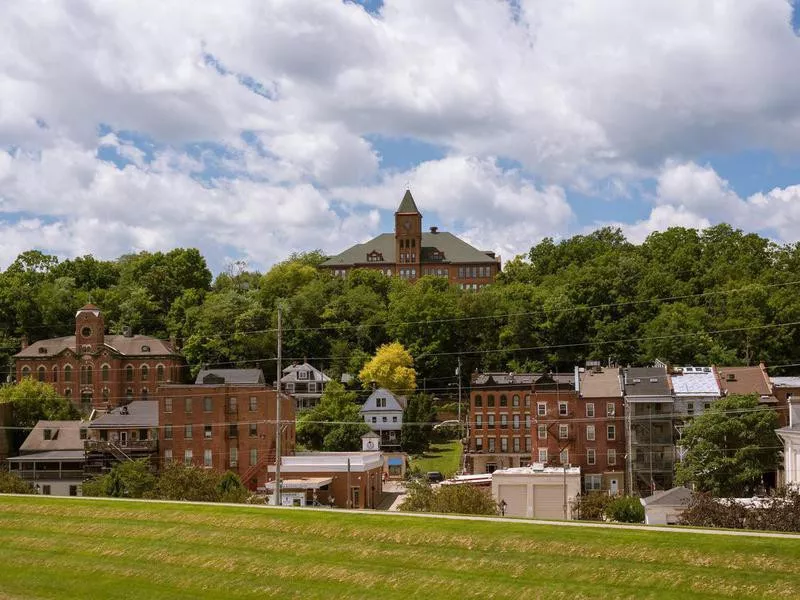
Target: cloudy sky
(254, 128)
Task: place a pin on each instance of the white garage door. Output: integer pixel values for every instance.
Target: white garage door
(548, 502)
(516, 498)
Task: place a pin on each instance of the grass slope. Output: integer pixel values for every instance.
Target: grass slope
(72, 548)
(444, 457)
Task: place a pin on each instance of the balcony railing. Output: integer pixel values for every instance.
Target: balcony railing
(30, 474)
(106, 446)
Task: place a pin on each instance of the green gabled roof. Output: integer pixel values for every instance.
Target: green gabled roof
(407, 205)
(455, 251)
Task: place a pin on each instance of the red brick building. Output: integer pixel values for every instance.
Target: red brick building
(575, 419)
(225, 421)
(411, 253)
(500, 426)
(97, 370)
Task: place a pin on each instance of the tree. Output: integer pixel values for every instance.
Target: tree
(625, 509)
(128, 479)
(33, 401)
(187, 482)
(334, 424)
(231, 488)
(418, 417)
(390, 368)
(730, 447)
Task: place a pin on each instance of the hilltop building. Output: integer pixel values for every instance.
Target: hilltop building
(97, 370)
(411, 253)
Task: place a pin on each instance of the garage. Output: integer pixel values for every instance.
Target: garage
(516, 499)
(536, 491)
(548, 502)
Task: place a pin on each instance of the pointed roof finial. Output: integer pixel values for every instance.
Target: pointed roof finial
(407, 205)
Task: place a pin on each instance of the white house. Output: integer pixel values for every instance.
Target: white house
(791, 444)
(383, 413)
(536, 491)
(666, 506)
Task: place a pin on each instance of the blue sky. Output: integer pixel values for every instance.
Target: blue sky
(272, 127)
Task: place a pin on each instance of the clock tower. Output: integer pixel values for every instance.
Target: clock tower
(408, 238)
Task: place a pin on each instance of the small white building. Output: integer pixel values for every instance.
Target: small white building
(791, 444)
(536, 491)
(665, 507)
(383, 413)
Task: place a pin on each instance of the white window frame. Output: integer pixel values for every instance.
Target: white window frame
(563, 409)
(611, 458)
(208, 458)
(188, 457)
(541, 432)
(542, 455)
(541, 409)
(590, 410)
(563, 431)
(593, 482)
(590, 433)
(611, 433)
(591, 456)
(611, 409)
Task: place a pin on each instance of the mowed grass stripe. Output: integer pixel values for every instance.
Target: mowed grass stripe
(249, 552)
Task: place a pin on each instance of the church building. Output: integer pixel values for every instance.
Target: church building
(411, 253)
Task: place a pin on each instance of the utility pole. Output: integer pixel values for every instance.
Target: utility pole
(349, 490)
(277, 495)
(460, 426)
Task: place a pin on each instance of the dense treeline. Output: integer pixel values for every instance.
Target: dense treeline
(594, 296)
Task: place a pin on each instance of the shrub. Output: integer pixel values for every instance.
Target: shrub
(779, 512)
(459, 499)
(128, 479)
(591, 506)
(13, 484)
(625, 509)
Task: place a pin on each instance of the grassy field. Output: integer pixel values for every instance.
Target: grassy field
(73, 548)
(444, 457)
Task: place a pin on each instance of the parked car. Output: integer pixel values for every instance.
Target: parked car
(435, 477)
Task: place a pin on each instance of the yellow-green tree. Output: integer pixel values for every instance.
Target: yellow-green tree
(390, 368)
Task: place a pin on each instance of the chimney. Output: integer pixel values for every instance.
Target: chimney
(434, 230)
(24, 342)
(127, 331)
(577, 380)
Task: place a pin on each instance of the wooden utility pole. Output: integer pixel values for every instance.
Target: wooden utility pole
(277, 495)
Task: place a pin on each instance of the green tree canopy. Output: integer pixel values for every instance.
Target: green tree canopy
(334, 424)
(729, 447)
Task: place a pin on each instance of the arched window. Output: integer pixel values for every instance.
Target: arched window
(106, 395)
(515, 400)
(160, 373)
(503, 400)
(490, 400)
(55, 374)
(86, 375)
(145, 372)
(105, 370)
(67, 373)
(41, 374)
(129, 373)
(478, 400)
(26, 372)
(67, 393)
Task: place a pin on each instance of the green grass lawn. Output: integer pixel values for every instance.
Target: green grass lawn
(444, 457)
(73, 548)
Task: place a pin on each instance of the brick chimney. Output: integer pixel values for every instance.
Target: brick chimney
(23, 341)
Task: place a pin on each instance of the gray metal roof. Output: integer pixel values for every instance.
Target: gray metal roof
(233, 376)
(785, 382)
(646, 381)
(695, 381)
(393, 403)
(139, 413)
(51, 456)
(677, 496)
(455, 250)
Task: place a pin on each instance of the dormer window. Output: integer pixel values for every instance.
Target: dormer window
(42, 350)
(374, 256)
(145, 348)
(48, 434)
(302, 374)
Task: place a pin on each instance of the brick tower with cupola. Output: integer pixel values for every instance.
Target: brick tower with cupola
(89, 329)
(408, 236)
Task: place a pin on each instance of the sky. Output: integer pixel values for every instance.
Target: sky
(257, 128)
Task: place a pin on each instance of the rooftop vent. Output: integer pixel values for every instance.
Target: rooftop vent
(730, 377)
(434, 230)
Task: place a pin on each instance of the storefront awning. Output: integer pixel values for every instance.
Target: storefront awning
(395, 462)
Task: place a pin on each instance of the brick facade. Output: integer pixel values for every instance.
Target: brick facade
(97, 370)
(224, 427)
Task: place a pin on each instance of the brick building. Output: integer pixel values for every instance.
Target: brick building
(500, 434)
(411, 253)
(97, 370)
(601, 428)
(225, 421)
